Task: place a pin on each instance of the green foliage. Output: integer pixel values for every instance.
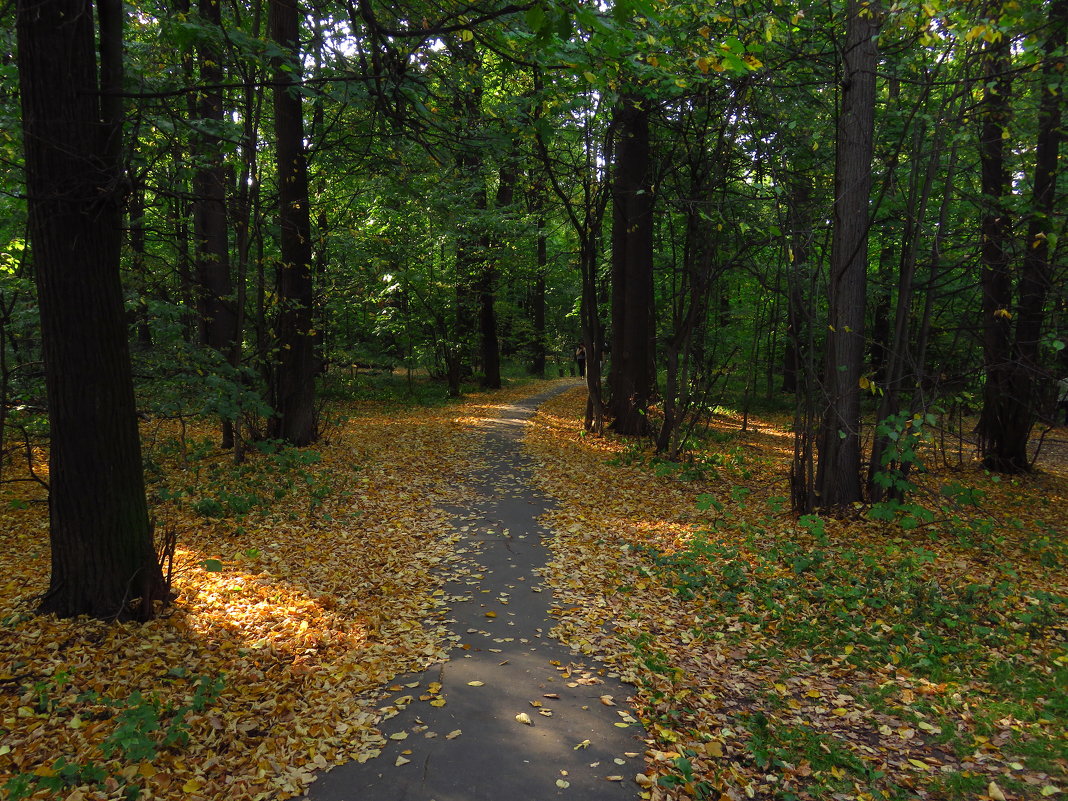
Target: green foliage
(143, 726)
(221, 490)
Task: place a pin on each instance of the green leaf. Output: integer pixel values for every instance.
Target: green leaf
(213, 565)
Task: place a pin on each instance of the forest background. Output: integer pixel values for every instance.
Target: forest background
(226, 211)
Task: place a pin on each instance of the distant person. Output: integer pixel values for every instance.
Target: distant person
(1062, 401)
(580, 360)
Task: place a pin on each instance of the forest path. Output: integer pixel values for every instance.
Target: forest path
(576, 745)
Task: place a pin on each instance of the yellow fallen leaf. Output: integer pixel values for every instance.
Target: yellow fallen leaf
(921, 765)
(400, 735)
(192, 786)
(563, 783)
(524, 718)
(452, 735)
(401, 761)
(583, 744)
(491, 614)
(607, 700)
(1049, 789)
(438, 702)
(474, 684)
(840, 711)
(994, 792)
(613, 778)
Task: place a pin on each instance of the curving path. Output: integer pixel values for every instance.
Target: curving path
(576, 745)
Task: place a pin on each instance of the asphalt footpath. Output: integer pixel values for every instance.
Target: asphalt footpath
(513, 715)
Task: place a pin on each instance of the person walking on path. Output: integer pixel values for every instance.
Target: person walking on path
(580, 360)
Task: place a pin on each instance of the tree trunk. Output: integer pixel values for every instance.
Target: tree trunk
(293, 395)
(631, 378)
(796, 314)
(838, 470)
(102, 551)
(217, 317)
(1003, 432)
(537, 300)
(294, 380)
(490, 344)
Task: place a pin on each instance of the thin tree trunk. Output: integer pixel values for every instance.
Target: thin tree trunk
(215, 303)
(838, 471)
(537, 300)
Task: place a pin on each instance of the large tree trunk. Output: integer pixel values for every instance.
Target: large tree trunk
(1002, 430)
(293, 395)
(103, 556)
(838, 471)
(631, 378)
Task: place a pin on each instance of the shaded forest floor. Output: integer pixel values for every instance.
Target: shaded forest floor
(771, 656)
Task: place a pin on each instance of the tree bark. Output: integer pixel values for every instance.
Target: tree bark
(537, 300)
(490, 343)
(293, 386)
(216, 311)
(631, 378)
(838, 470)
(103, 556)
(1002, 431)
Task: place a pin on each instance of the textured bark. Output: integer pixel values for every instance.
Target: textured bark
(838, 470)
(796, 323)
(488, 339)
(1014, 376)
(293, 386)
(103, 556)
(1002, 432)
(217, 313)
(537, 299)
(631, 377)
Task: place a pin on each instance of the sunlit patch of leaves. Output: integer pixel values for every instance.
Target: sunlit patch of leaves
(306, 580)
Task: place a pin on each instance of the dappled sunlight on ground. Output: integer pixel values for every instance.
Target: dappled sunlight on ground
(328, 587)
(813, 657)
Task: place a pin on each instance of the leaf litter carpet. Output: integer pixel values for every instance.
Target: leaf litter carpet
(335, 585)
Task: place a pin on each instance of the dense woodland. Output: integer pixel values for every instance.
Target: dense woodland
(215, 209)
(268, 269)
